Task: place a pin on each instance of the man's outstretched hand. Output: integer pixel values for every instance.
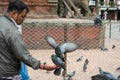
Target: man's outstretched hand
(48, 67)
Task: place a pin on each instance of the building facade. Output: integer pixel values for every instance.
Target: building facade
(109, 9)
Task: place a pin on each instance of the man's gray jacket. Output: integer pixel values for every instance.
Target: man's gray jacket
(13, 50)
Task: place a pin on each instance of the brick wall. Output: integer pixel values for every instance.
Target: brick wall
(87, 35)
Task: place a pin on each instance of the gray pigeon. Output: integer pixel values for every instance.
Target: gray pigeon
(57, 72)
(84, 67)
(68, 47)
(63, 48)
(51, 41)
(108, 74)
(103, 48)
(86, 61)
(71, 74)
(57, 60)
(118, 68)
(79, 59)
(113, 47)
(58, 53)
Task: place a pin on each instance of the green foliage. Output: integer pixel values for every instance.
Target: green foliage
(111, 3)
(101, 2)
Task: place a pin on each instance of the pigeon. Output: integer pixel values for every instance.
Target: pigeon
(84, 67)
(71, 74)
(109, 75)
(103, 48)
(113, 47)
(65, 48)
(85, 48)
(57, 71)
(58, 53)
(68, 47)
(118, 68)
(57, 61)
(51, 41)
(86, 61)
(63, 72)
(62, 49)
(79, 59)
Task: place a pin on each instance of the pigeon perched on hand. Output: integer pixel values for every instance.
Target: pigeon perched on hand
(59, 53)
(68, 47)
(57, 60)
(62, 49)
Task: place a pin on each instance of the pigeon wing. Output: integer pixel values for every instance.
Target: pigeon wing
(68, 47)
(59, 53)
(51, 41)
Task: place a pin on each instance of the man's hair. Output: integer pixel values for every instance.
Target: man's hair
(18, 5)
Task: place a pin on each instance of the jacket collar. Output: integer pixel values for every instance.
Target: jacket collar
(10, 19)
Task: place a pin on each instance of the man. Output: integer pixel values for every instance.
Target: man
(13, 50)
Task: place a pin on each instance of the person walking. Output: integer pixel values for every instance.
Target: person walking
(13, 50)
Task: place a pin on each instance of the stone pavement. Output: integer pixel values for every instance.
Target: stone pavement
(107, 60)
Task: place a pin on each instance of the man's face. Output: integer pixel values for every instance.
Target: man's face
(20, 17)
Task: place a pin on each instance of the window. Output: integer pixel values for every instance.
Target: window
(111, 3)
(92, 2)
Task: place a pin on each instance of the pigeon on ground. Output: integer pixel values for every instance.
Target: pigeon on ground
(103, 48)
(113, 47)
(84, 67)
(71, 74)
(86, 61)
(85, 48)
(79, 59)
(118, 68)
(109, 75)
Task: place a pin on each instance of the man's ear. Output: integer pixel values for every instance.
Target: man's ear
(14, 14)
